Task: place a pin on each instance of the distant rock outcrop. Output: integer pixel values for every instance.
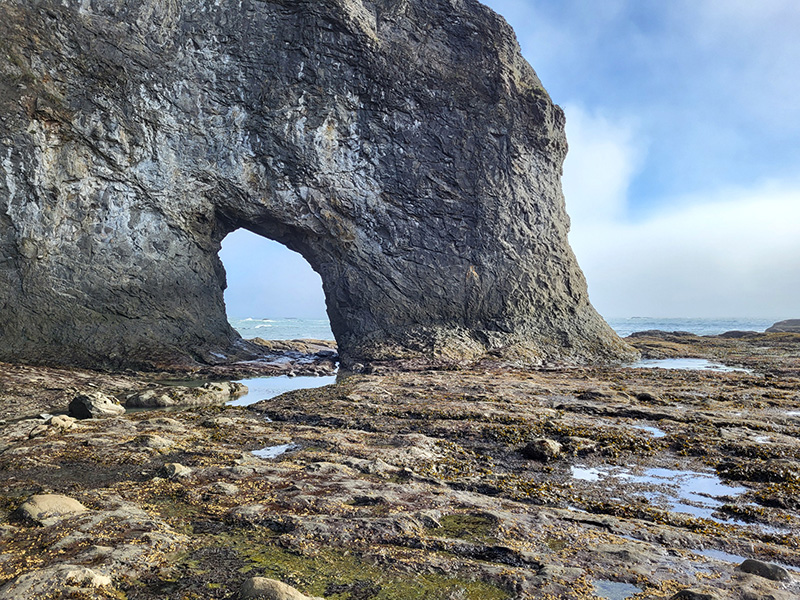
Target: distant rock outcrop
(405, 149)
(787, 326)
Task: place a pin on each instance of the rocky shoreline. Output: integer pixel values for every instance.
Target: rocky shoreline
(487, 482)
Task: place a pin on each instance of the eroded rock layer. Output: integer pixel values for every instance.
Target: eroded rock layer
(405, 149)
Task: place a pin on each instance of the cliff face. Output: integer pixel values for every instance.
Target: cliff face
(404, 148)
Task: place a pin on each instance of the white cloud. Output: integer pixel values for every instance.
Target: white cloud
(603, 157)
(735, 252)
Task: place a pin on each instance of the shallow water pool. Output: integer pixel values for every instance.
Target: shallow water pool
(274, 451)
(686, 364)
(264, 388)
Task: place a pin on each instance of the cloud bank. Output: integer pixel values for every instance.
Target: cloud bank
(734, 252)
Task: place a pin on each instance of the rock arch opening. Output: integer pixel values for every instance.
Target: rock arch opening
(272, 292)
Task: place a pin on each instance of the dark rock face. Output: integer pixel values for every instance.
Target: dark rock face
(787, 326)
(405, 149)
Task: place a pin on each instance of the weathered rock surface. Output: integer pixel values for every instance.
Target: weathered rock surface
(787, 326)
(405, 149)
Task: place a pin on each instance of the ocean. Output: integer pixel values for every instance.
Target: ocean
(320, 329)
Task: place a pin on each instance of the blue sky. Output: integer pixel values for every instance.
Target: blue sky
(683, 176)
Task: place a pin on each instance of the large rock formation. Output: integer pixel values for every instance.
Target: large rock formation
(404, 148)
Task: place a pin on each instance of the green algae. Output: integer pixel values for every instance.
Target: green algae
(332, 573)
(470, 527)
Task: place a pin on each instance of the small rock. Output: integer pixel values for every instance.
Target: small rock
(47, 509)
(38, 430)
(221, 487)
(764, 569)
(695, 594)
(7, 531)
(94, 405)
(84, 577)
(271, 589)
(581, 445)
(218, 422)
(62, 422)
(542, 449)
(646, 397)
(176, 470)
(156, 442)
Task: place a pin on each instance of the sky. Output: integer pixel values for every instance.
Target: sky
(683, 176)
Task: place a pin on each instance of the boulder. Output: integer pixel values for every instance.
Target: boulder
(765, 570)
(94, 405)
(787, 326)
(48, 509)
(271, 589)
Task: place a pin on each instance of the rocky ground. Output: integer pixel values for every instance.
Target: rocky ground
(489, 482)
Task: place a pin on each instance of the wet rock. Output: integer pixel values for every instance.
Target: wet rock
(94, 405)
(764, 569)
(214, 392)
(224, 488)
(176, 471)
(215, 422)
(61, 422)
(787, 326)
(84, 577)
(270, 589)
(581, 445)
(47, 509)
(154, 442)
(696, 594)
(542, 449)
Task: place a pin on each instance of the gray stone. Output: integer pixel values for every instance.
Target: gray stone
(176, 471)
(270, 589)
(155, 442)
(787, 326)
(48, 509)
(764, 569)
(61, 422)
(209, 393)
(542, 449)
(85, 577)
(406, 150)
(94, 405)
(222, 487)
